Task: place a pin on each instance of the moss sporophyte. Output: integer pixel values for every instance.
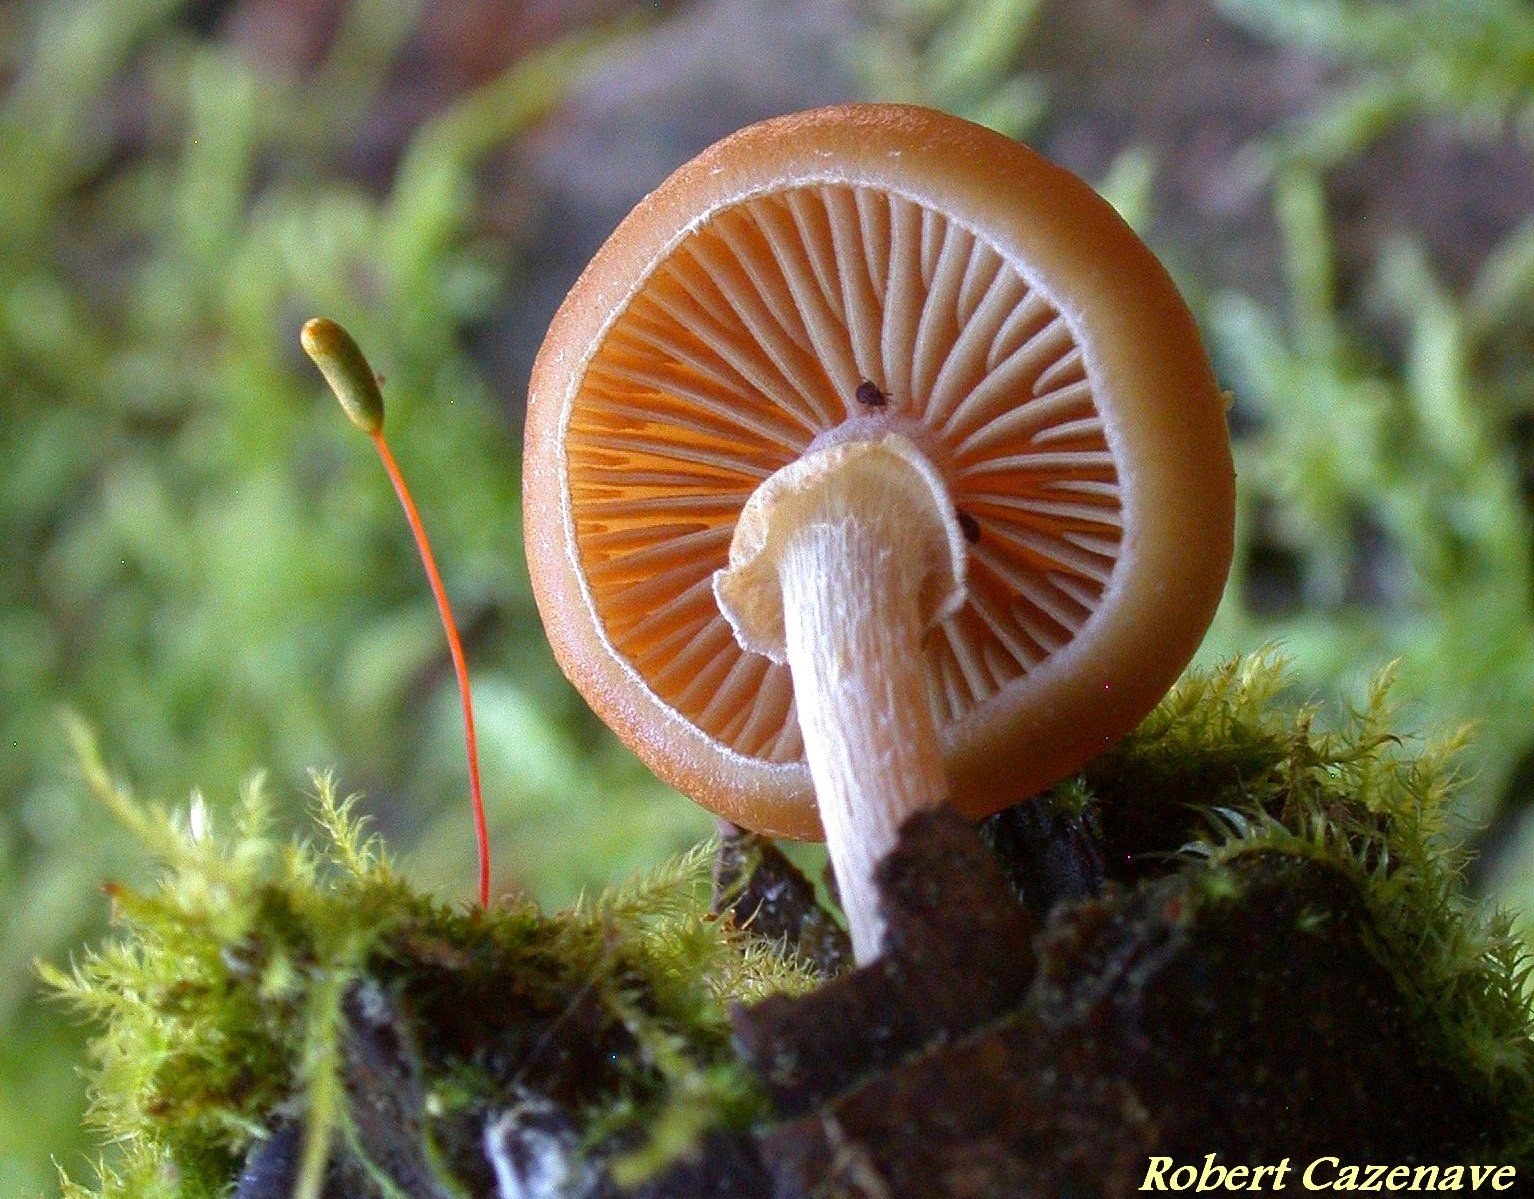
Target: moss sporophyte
(356, 386)
(865, 490)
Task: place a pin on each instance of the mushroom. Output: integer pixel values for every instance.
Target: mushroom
(873, 463)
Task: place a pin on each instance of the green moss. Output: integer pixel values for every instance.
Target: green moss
(1223, 770)
(192, 546)
(1471, 62)
(961, 56)
(220, 1003)
(1390, 473)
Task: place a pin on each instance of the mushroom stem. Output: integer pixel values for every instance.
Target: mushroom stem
(854, 648)
(841, 564)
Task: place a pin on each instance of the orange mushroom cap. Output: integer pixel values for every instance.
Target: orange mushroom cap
(1012, 327)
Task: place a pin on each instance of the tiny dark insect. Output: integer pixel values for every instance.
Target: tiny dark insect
(969, 526)
(869, 395)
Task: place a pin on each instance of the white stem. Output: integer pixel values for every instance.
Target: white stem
(853, 630)
(840, 564)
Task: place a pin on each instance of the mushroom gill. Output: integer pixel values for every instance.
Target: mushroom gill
(752, 338)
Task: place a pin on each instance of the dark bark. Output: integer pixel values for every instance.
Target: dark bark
(1239, 1009)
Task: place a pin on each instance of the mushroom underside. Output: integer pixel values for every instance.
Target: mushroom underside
(754, 338)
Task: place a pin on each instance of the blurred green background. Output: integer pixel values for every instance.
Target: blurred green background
(202, 557)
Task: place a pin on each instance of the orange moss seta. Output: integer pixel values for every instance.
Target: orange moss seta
(455, 648)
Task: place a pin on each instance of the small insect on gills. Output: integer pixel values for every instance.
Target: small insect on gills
(869, 395)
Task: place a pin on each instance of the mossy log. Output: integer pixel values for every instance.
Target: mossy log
(1231, 935)
(1240, 1011)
